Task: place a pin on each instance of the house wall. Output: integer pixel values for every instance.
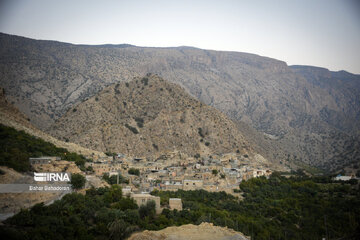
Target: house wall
(192, 184)
(175, 203)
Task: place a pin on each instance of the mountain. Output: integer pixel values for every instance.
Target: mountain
(300, 117)
(342, 110)
(149, 116)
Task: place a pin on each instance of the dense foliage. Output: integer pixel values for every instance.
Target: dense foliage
(275, 208)
(16, 147)
(280, 208)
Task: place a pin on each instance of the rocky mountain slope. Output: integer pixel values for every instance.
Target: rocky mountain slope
(147, 117)
(12, 117)
(316, 117)
(342, 110)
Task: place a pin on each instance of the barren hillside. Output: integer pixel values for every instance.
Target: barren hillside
(146, 117)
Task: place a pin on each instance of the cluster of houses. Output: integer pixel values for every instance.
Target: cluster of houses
(173, 171)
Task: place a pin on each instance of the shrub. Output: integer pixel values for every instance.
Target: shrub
(139, 121)
(134, 171)
(155, 146)
(145, 81)
(110, 154)
(131, 128)
(200, 131)
(90, 169)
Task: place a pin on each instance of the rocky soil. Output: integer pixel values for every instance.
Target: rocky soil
(204, 231)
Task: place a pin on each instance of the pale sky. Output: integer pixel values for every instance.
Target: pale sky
(324, 33)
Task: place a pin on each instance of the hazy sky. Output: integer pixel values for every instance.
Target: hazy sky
(322, 33)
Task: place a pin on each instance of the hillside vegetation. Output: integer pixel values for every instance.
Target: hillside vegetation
(16, 147)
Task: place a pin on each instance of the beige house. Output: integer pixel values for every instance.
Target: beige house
(175, 203)
(43, 160)
(189, 184)
(143, 198)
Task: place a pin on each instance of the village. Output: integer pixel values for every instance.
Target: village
(173, 171)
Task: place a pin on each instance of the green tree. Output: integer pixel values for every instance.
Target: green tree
(125, 203)
(114, 194)
(147, 210)
(77, 181)
(119, 229)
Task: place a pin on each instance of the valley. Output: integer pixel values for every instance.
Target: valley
(160, 137)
